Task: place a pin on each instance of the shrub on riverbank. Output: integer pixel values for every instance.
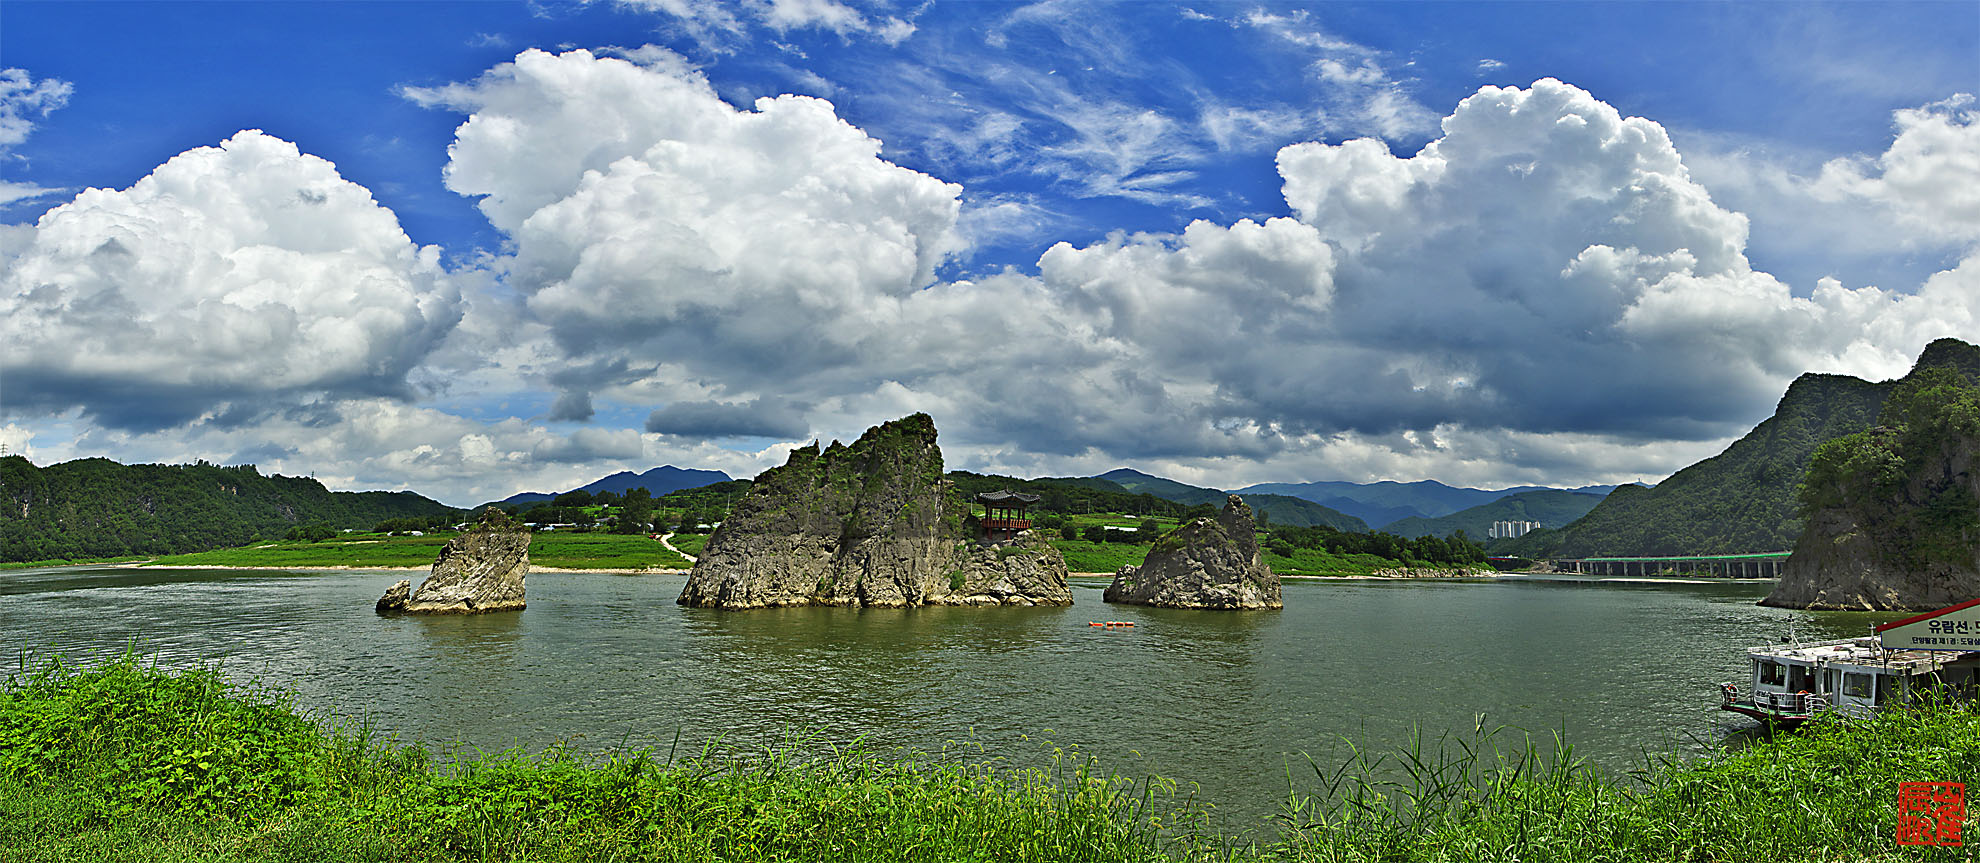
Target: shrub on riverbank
(124, 762)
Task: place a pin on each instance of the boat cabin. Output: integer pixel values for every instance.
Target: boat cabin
(1852, 675)
(1003, 514)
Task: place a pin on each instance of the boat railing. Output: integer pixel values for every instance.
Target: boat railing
(1790, 702)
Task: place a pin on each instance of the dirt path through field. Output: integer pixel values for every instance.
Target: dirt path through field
(670, 546)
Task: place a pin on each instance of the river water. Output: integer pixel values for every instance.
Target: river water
(1227, 701)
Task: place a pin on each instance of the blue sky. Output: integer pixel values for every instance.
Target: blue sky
(1226, 242)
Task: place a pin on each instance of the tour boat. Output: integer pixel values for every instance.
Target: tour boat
(1854, 676)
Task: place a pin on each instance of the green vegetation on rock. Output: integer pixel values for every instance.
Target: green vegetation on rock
(1894, 512)
(873, 524)
(1900, 478)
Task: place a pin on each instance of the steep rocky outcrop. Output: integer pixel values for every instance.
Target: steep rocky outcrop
(1894, 512)
(1206, 563)
(477, 572)
(871, 524)
(1744, 499)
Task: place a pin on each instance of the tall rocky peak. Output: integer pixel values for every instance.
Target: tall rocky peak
(479, 571)
(871, 524)
(1743, 499)
(1205, 563)
(1893, 512)
(1950, 353)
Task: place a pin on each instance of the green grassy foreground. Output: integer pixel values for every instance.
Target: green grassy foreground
(125, 762)
(130, 763)
(554, 550)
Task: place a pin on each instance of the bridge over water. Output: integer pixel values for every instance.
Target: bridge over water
(1759, 565)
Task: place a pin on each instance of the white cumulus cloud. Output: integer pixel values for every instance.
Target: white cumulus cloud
(655, 223)
(233, 279)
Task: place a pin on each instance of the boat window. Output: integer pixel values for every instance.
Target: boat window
(1856, 685)
(1772, 674)
(1884, 685)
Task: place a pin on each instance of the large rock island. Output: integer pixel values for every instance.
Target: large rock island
(477, 572)
(1206, 563)
(1893, 513)
(873, 524)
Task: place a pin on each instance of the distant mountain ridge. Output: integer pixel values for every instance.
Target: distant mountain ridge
(1386, 502)
(96, 507)
(658, 481)
(1551, 507)
(1277, 509)
(1741, 500)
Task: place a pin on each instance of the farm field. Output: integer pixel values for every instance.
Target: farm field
(551, 550)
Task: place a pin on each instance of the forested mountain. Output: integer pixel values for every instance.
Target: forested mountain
(99, 508)
(1173, 499)
(1742, 500)
(1384, 503)
(1893, 512)
(1551, 507)
(1276, 508)
(658, 482)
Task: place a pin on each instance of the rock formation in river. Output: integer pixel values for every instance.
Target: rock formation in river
(1206, 563)
(872, 524)
(1027, 570)
(1894, 512)
(479, 571)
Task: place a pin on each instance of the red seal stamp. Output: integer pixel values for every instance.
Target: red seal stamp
(1930, 813)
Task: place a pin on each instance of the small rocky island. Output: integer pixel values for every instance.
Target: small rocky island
(873, 524)
(1206, 563)
(1893, 513)
(478, 572)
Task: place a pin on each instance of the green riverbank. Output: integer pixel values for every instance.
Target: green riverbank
(127, 762)
(547, 551)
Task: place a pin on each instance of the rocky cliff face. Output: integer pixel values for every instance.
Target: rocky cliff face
(1894, 512)
(1207, 563)
(477, 572)
(1027, 570)
(872, 524)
